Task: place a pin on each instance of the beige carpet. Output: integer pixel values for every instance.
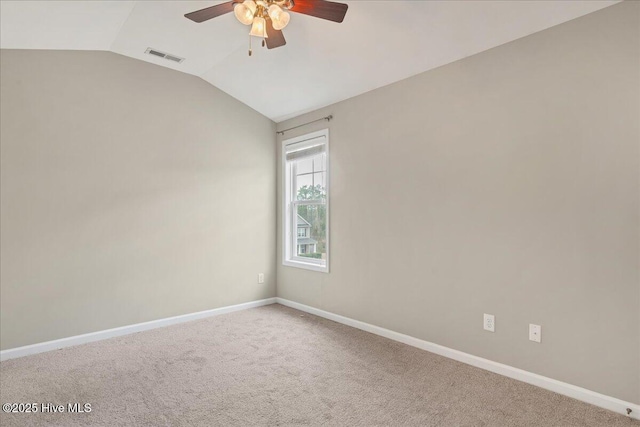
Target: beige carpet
(275, 366)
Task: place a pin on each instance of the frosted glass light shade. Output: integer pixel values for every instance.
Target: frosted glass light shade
(244, 11)
(259, 27)
(284, 20)
(251, 5)
(274, 11)
(279, 17)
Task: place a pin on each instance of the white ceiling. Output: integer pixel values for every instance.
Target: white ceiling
(378, 43)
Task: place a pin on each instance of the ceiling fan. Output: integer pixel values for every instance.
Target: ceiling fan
(268, 17)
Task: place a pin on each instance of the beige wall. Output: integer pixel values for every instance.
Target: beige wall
(130, 192)
(505, 183)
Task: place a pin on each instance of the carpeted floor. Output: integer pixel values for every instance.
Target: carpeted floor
(275, 366)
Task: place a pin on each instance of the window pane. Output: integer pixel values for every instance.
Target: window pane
(303, 184)
(318, 182)
(311, 192)
(312, 220)
(319, 163)
(310, 178)
(305, 166)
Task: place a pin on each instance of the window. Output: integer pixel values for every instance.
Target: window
(306, 201)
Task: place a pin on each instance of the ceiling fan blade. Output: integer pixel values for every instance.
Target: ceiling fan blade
(211, 12)
(321, 9)
(275, 38)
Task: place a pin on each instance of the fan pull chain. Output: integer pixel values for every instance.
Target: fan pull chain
(250, 51)
(263, 43)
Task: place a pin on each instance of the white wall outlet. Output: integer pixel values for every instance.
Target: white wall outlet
(489, 322)
(261, 278)
(535, 332)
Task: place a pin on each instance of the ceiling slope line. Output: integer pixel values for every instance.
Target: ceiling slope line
(133, 6)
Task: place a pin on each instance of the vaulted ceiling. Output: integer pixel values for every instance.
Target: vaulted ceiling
(378, 43)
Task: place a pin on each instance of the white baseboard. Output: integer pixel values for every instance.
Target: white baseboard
(27, 350)
(579, 393)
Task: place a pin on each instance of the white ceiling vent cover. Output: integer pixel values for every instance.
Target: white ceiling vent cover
(166, 56)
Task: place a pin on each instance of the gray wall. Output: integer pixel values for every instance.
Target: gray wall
(130, 192)
(505, 183)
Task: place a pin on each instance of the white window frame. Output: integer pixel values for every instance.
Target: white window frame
(289, 223)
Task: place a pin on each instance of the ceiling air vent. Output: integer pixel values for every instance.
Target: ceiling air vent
(166, 56)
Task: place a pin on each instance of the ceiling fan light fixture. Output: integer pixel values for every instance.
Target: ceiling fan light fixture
(279, 17)
(268, 17)
(259, 27)
(245, 11)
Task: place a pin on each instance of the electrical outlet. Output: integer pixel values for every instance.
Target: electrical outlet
(535, 332)
(261, 278)
(489, 322)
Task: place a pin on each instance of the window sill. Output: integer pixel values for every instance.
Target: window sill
(306, 266)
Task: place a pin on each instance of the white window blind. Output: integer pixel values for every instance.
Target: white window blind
(305, 149)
